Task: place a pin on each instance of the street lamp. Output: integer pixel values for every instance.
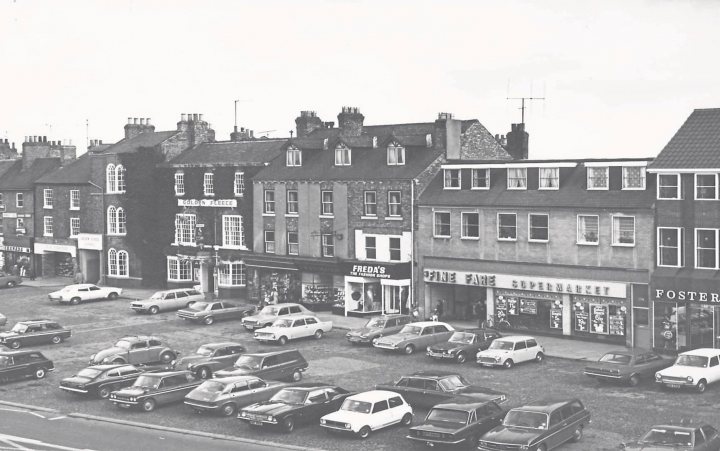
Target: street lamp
(102, 230)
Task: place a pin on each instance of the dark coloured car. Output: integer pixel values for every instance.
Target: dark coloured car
(629, 366)
(278, 365)
(226, 394)
(428, 388)
(458, 424)
(209, 358)
(377, 327)
(463, 344)
(209, 312)
(291, 406)
(101, 380)
(538, 426)
(154, 389)
(8, 280)
(34, 332)
(682, 437)
(16, 365)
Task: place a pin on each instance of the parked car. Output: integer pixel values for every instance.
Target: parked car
(538, 426)
(155, 389)
(167, 300)
(376, 327)
(629, 366)
(414, 336)
(226, 395)
(75, 294)
(135, 350)
(463, 343)
(682, 437)
(369, 411)
(3, 320)
(8, 280)
(100, 380)
(507, 351)
(209, 358)
(692, 369)
(292, 328)
(276, 365)
(267, 316)
(209, 312)
(21, 364)
(34, 332)
(457, 423)
(296, 405)
(428, 388)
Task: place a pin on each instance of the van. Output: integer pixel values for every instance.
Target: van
(277, 365)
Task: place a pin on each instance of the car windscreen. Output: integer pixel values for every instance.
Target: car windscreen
(204, 351)
(620, 359)
(448, 416)
(412, 330)
(147, 381)
(19, 328)
(667, 437)
(199, 306)
(211, 387)
(454, 382)
(269, 310)
(123, 344)
(248, 361)
(462, 338)
(89, 373)
(525, 419)
(157, 295)
(375, 322)
(290, 396)
(283, 323)
(692, 360)
(352, 405)
(501, 344)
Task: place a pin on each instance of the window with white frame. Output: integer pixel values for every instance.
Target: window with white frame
(706, 248)
(342, 155)
(269, 202)
(20, 226)
(117, 263)
(208, 188)
(185, 229)
(370, 203)
(112, 261)
(451, 178)
(371, 248)
(395, 155)
(327, 244)
(293, 157)
(269, 237)
(394, 207)
(179, 270)
(668, 186)
(598, 178)
(539, 227)
(706, 186)
(232, 274)
(74, 199)
(326, 203)
(47, 226)
(517, 178)
(292, 202)
(669, 243)
(2, 202)
(441, 224)
(239, 184)
(233, 235)
(19, 200)
(623, 231)
(47, 198)
(74, 227)
(549, 178)
(112, 220)
(507, 226)
(633, 177)
(179, 184)
(293, 243)
(394, 249)
(588, 229)
(110, 178)
(480, 178)
(120, 178)
(121, 221)
(470, 225)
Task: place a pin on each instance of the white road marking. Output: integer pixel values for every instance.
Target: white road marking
(57, 418)
(14, 445)
(29, 441)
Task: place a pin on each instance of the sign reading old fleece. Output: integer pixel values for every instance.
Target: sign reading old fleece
(550, 284)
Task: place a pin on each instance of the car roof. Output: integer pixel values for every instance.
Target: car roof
(432, 374)
(138, 337)
(285, 304)
(107, 367)
(267, 353)
(390, 315)
(233, 379)
(167, 373)
(427, 323)
(36, 321)
(516, 338)
(459, 405)
(303, 316)
(307, 386)
(705, 352)
(223, 344)
(478, 331)
(20, 352)
(373, 396)
(173, 290)
(685, 426)
(545, 405)
(628, 351)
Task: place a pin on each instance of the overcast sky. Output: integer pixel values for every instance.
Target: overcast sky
(619, 77)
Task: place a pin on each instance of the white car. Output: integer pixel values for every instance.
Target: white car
(507, 351)
(369, 411)
(167, 300)
(695, 369)
(267, 316)
(293, 327)
(81, 292)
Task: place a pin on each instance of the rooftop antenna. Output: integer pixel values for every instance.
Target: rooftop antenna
(266, 132)
(522, 104)
(236, 103)
(87, 132)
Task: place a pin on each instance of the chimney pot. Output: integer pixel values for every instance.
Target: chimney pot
(129, 120)
(99, 141)
(200, 116)
(147, 120)
(183, 117)
(44, 139)
(135, 120)
(142, 121)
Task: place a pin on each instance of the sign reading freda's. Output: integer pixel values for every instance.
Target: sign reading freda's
(395, 271)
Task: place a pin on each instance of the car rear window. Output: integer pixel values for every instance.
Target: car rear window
(395, 402)
(380, 406)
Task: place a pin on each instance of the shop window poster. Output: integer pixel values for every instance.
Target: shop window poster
(617, 324)
(512, 306)
(556, 319)
(581, 321)
(500, 309)
(528, 306)
(599, 319)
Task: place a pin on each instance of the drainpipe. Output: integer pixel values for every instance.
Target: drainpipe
(411, 294)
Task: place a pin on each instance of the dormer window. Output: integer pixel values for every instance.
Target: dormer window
(633, 177)
(293, 157)
(597, 178)
(395, 155)
(452, 178)
(549, 178)
(342, 155)
(208, 188)
(517, 178)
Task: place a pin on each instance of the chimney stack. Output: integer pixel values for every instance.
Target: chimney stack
(245, 134)
(518, 142)
(350, 121)
(451, 130)
(136, 126)
(307, 122)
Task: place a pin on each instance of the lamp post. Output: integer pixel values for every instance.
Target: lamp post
(102, 229)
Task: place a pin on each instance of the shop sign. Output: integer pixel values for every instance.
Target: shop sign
(92, 241)
(217, 203)
(687, 296)
(41, 248)
(378, 270)
(20, 249)
(9, 215)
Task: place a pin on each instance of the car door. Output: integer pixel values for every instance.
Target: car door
(519, 353)
(311, 326)
(239, 393)
(95, 292)
(714, 369)
(270, 368)
(712, 439)
(412, 389)
(556, 435)
(433, 393)
(167, 301)
(257, 389)
(17, 367)
(380, 415)
(312, 410)
(224, 357)
(181, 300)
(83, 293)
(396, 409)
(298, 329)
(33, 335)
(139, 352)
(128, 375)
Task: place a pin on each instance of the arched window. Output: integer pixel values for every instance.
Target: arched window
(122, 263)
(120, 178)
(112, 262)
(121, 229)
(112, 220)
(110, 178)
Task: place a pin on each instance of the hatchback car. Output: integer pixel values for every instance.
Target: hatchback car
(370, 411)
(100, 380)
(75, 294)
(377, 327)
(507, 351)
(34, 332)
(692, 369)
(226, 394)
(167, 300)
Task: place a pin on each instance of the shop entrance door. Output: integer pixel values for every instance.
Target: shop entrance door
(641, 328)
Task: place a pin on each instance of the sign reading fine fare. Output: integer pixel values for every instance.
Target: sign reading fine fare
(218, 203)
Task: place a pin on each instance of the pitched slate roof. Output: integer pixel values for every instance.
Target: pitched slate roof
(18, 179)
(142, 140)
(5, 165)
(230, 152)
(695, 145)
(77, 172)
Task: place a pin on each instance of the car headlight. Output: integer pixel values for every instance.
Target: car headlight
(525, 447)
(322, 420)
(497, 359)
(132, 398)
(427, 348)
(363, 336)
(256, 334)
(112, 396)
(270, 418)
(92, 357)
(690, 379)
(174, 362)
(347, 425)
(658, 376)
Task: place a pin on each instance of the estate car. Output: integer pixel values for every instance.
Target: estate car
(414, 336)
(225, 395)
(278, 365)
(627, 365)
(457, 423)
(377, 327)
(167, 300)
(21, 364)
(209, 312)
(677, 437)
(363, 413)
(209, 358)
(100, 380)
(291, 328)
(507, 351)
(154, 389)
(34, 332)
(692, 369)
(463, 344)
(270, 313)
(135, 350)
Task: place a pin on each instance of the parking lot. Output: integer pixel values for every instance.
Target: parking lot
(619, 413)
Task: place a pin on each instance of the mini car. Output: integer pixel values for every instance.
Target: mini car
(278, 365)
(692, 369)
(21, 364)
(8, 280)
(154, 389)
(363, 413)
(463, 344)
(225, 395)
(292, 328)
(538, 426)
(682, 437)
(135, 350)
(292, 406)
(457, 423)
(209, 358)
(507, 351)
(75, 294)
(209, 312)
(377, 327)
(270, 313)
(629, 366)
(428, 388)
(34, 332)
(414, 336)
(100, 380)
(167, 300)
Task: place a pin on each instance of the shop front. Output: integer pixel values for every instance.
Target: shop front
(90, 249)
(376, 288)
(57, 259)
(18, 251)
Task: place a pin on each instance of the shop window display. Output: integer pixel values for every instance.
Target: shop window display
(365, 297)
(600, 320)
(277, 287)
(682, 327)
(530, 312)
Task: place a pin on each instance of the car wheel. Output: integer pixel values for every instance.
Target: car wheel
(409, 349)
(40, 373)
(148, 405)
(461, 357)
(14, 344)
(509, 364)
(11, 284)
(56, 340)
(118, 361)
(406, 419)
(104, 392)
(364, 432)
(318, 334)
(228, 409)
(282, 340)
(578, 434)
(539, 357)
(297, 376)
(208, 320)
(75, 301)
(701, 386)
(154, 310)
(288, 424)
(204, 373)
(167, 357)
(112, 296)
(634, 380)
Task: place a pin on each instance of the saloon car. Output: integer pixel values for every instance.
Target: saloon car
(225, 395)
(21, 364)
(34, 332)
(296, 405)
(135, 350)
(154, 389)
(363, 413)
(507, 351)
(428, 388)
(267, 316)
(100, 380)
(209, 358)
(279, 365)
(167, 300)
(457, 423)
(414, 336)
(677, 437)
(628, 366)
(292, 328)
(692, 369)
(8, 280)
(538, 426)
(377, 327)
(209, 312)
(463, 344)
(75, 294)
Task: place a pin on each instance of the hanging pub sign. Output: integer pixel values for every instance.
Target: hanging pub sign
(617, 324)
(599, 319)
(528, 306)
(556, 318)
(512, 306)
